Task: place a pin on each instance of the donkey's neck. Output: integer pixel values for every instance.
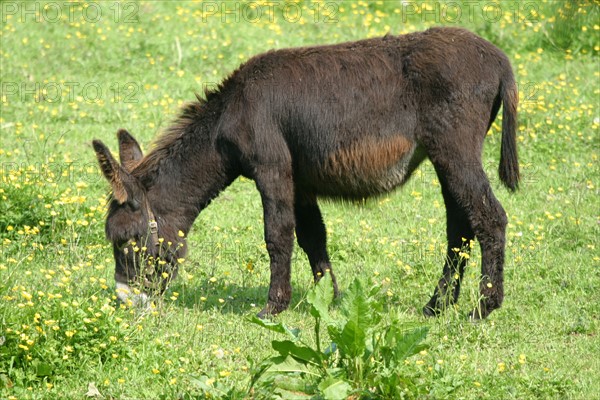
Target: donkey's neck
(188, 169)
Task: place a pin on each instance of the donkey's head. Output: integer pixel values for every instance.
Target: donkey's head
(145, 249)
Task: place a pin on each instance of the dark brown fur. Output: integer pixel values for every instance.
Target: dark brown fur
(350, 120)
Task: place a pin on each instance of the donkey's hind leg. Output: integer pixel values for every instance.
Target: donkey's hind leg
(461, 174)
(312, 236)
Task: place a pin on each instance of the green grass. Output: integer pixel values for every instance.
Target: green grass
(61, 332)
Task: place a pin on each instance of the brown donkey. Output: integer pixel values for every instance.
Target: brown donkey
(348, 121)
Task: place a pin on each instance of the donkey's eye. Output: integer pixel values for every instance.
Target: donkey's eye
(134, 204)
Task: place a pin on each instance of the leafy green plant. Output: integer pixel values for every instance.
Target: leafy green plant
(365, 355)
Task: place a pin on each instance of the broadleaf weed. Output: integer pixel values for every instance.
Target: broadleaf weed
(365, 355)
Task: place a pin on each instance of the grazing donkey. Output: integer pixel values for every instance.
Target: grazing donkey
(347, 121)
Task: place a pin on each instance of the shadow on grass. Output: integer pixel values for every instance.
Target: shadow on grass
(230, 299)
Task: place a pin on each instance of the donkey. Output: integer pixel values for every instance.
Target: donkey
(343, 121)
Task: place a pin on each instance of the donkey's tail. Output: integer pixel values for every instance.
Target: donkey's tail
(509, 161)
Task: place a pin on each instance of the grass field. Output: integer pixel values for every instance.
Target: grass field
(72, 72)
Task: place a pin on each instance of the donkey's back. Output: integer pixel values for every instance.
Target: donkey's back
(355, 119)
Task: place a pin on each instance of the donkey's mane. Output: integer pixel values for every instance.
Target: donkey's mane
(172, 140)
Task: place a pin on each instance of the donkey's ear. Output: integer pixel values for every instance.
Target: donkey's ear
(129, 150)
(111, 170)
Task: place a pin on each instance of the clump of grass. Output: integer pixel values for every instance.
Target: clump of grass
(572, 26)
(50, 334)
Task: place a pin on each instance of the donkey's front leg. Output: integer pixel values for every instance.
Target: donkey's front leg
(277, 192)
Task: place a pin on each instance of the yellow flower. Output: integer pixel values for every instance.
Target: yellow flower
(522, 358)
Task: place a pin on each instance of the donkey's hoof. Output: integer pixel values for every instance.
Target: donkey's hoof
(263, 314)
(434, 307)
(336, 291)
(429, 311)
(475, 316)
(479, 314)
(271, 309)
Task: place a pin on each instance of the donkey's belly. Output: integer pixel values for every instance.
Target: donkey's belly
(366, 168)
